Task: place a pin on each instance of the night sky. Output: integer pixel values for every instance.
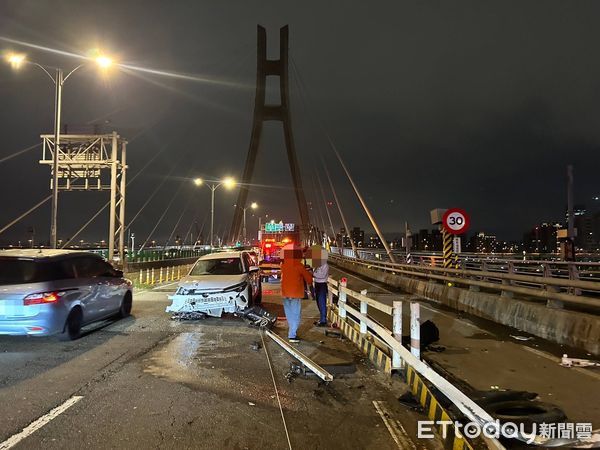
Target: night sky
(479, 105)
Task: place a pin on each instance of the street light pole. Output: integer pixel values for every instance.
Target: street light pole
(17, 60)
(58, 82)
(213, 188)
(244, 227)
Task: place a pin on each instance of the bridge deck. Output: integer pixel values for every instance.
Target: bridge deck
(150, 382)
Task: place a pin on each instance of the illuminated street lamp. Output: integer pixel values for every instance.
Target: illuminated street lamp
(227, 182)
(16, 60)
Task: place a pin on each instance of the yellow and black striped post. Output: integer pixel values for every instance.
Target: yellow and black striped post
(447, 249)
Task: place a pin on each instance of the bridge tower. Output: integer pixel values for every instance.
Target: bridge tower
(263, 112)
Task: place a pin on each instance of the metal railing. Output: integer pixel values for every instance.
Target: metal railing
(355, 309)
(503, 263)
(154, 276)
(402, 360)
(543, 285)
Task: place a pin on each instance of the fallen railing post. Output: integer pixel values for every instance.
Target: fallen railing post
(397, 332)
(415, 329)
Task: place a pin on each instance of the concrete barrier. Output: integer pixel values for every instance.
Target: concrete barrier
(571, 328)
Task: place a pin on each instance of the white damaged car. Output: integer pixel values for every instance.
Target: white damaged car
(217, 283)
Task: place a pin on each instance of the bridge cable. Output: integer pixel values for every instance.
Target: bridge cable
(185, 209)
(166, 209)
(347, 172)
(340, 209)
(26, 213)
(17, 153)
(138, 173)
(325, 203)
(85, 225)
(201, 228)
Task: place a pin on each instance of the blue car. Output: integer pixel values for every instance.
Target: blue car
(45, 292)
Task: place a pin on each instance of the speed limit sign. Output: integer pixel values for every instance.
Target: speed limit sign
(455, 221)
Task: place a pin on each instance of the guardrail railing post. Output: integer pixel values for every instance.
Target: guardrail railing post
(141, 277)
(342, 297)
(397, 332)
(363, 311)
(147, 276)
(152, 280)
(510, 271)
(415, 329)
(160, 275)
(574, 275)
(550, 302)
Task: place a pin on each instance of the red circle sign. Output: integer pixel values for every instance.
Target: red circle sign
(456, 221)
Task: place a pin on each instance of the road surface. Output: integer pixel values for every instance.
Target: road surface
(150, 382)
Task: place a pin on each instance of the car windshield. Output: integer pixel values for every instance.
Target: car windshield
(224, 266)
(19, 271)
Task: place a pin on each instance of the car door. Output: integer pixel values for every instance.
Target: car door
(111, 286)
(82, 266)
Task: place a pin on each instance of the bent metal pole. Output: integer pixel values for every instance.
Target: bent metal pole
(364, 205)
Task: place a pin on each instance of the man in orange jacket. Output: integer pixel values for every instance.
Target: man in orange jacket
(293, 276)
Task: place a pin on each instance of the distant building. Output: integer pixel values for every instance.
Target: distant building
(342, 239)
(358, 236)
(374, 242)
(542, 238)
(427, 240)
(484, 243)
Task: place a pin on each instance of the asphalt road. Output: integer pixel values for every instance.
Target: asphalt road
(150, 382)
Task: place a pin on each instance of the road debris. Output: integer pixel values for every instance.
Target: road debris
(521, 338)
(258, 317)
(256, 346)
(321, 373)
(188, 316)
(578, 362)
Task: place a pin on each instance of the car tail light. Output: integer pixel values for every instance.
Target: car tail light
(43, 298)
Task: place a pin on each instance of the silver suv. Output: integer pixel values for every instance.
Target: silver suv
(45, 292)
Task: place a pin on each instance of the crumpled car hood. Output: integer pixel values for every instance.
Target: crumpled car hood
(211, 282)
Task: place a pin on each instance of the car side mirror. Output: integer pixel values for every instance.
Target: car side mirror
(253, 269)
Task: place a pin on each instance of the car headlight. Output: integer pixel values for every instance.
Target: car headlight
(237, 288)
(182, 291)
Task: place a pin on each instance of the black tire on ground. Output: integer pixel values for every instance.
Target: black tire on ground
(258, 299)
(126, 305)
(72, 329)
(526, 412)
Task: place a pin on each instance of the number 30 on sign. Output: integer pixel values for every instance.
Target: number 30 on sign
(455, 221)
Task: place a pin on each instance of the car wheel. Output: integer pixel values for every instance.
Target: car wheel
(258, 299)
(126, 305)
(72, 329)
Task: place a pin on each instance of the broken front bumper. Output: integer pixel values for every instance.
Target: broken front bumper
(210, 304)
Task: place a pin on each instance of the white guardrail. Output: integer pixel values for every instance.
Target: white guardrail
(490, 262)
(503, 277)
(353, 309)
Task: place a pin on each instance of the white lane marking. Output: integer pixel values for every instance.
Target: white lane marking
(164, 285)
(395, 428)
(557, 360)
(39, 423)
